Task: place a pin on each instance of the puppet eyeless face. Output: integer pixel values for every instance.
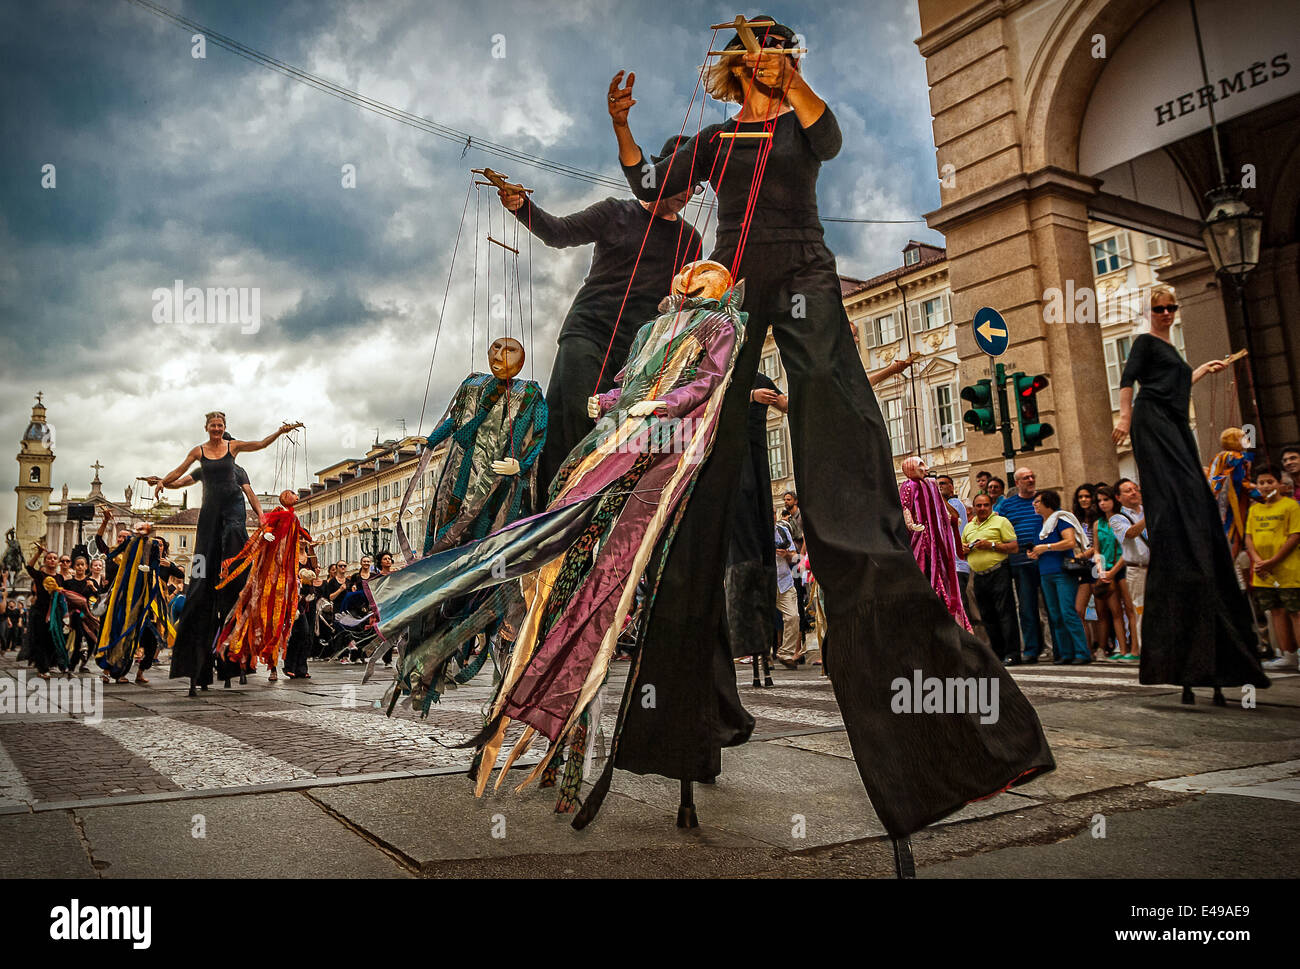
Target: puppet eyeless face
(703, 279)
(1231, 439)
(915, 468)
(506, 358)
(288, 498)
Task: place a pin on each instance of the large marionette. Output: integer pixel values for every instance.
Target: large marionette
(614, 504)
(1229, 475)
(496, 426)
(263, 615)
(137, 606)
(929, 522)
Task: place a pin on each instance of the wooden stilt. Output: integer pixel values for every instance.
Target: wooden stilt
(686, 817)
(904, 865)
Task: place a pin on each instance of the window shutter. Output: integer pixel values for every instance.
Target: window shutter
(870, 326)
(1125, 258)
(914, 320)
(947, 306)
(1112, 372)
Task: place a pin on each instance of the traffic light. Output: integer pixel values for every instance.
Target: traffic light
(980, 416)
(1032, 431)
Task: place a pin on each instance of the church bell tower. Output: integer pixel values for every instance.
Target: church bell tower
(35, 465)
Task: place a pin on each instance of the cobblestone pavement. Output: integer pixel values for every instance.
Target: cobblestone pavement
(152, 741)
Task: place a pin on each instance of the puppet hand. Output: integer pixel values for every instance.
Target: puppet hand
(916, 528)
(593, 407)
(508, 466)
(645, 407)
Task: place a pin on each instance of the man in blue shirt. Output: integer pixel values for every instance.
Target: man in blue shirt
(1018, 508)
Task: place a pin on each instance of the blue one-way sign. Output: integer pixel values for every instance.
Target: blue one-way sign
(990, 331)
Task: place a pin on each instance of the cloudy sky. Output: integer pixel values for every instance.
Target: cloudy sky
(222, 173)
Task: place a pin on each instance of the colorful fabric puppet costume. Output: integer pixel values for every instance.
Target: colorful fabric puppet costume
(137, 609)
(614, 504)
(264, 614)
(496, 429)
(1229, 475)
(933, 543)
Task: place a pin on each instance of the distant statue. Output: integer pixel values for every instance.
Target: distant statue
(129, 493)
(65, 492)
(13, 558)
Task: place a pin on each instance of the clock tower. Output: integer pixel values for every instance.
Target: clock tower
(35, 464)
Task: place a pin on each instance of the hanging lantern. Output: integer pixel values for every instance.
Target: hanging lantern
(1232, 233)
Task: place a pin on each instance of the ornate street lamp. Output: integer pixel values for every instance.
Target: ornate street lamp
(375, 540)
(1232, 233)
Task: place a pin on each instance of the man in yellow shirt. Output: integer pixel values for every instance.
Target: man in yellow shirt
(1272, 534)
(988, 540)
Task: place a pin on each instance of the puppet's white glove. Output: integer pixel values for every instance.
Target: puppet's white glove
(645, 408)
(593, 407)
(508, 466)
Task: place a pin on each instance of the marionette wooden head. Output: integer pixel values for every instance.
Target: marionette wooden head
(703, 279)
(915, 468)
(288, 498)
(505, 357)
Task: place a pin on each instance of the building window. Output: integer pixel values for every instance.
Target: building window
(911, 257)
(385, 492)
(947, 427)
(889, 328)
(929, 314)
(35, 476)
(375, 499)
(769, 366)
(184, 541)
(900, 437)
(1111, 254)
(365, 500)
(776, 462)
(1157, 248)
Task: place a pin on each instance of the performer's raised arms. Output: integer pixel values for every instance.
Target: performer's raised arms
(217, 446)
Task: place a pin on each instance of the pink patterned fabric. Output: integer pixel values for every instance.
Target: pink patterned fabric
(934, 549)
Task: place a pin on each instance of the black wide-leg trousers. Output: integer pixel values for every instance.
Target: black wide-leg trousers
(884, 622)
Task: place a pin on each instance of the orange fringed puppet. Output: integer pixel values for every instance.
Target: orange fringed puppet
(1229, 475)
(264, 614)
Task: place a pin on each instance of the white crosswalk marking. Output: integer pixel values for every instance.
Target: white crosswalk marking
(813, 718)
(195, 757)
(13, 789)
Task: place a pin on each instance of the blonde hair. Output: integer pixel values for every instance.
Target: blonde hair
(207, 418)
(1160, 291)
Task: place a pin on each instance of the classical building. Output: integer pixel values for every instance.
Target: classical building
(353, 505)
(1054, 116)
(909, 310)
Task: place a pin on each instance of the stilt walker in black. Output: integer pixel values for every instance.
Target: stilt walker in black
(884, 621)
(638, 246)
(217, 538)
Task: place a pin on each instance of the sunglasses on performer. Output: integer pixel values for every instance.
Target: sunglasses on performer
(1167, 308)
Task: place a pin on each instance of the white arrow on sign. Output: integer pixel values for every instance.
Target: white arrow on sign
(987, 331)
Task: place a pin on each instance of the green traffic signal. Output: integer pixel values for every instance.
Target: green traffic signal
(980, 415)
(1032, 431)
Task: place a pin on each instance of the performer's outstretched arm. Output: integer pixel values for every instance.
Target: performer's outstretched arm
(169, 479)
(239, 447)
(692, 162)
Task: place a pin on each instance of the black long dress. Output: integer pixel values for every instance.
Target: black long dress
(303, 641)
(40, 647)
(884, 621)
(221, 532)
(1197, 628)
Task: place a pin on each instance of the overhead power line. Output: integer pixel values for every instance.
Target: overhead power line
(463, 138)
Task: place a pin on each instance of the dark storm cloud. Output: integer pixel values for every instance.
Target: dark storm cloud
(220, 173)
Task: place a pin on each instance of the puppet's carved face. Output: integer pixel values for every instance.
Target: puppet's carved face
(288, 498)
(1230, 439)
(704, 279)
(505, 357)
(915, 468)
